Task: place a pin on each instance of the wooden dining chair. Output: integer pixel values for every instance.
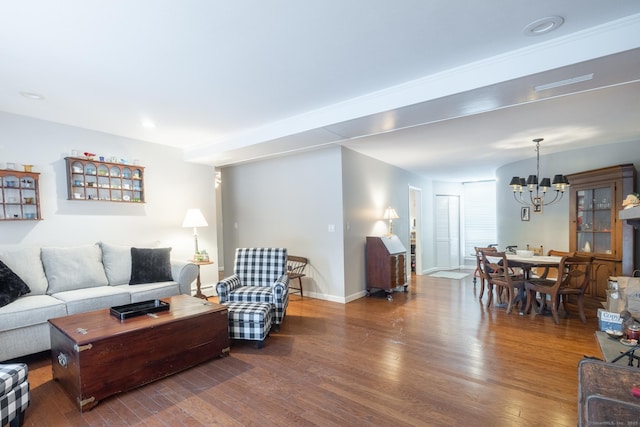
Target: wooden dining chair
(551, 272)
(500, 277)
(574, 275)
(480, 271)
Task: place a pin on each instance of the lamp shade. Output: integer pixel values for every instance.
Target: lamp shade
(194, 218)
(390, 213)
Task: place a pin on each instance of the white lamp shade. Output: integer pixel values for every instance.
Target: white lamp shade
(390, 213)
(194, 218)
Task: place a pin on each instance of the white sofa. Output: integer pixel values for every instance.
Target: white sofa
(69, 280)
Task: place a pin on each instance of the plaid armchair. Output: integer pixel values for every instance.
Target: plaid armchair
(260, 275)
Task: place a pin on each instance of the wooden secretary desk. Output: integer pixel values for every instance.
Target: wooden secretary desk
(385, 264)
(595, 198)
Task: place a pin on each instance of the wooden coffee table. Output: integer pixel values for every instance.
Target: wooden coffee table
(95, 355)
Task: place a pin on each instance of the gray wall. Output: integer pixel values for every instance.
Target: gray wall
(551, 228)
(289, 202)
(172, 186)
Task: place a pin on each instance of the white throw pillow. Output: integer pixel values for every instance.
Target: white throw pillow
(25, 262)
(72, 268)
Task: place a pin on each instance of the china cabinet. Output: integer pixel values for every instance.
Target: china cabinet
(88, 179)
(19, 195)
(595, 199)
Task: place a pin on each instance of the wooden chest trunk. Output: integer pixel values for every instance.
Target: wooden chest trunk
(96, 355)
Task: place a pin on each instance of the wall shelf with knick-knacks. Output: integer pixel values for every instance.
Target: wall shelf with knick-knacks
(92, 180)
(19, 195)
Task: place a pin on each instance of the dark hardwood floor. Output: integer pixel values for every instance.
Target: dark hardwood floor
(432, 356)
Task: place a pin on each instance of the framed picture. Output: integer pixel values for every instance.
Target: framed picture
(525, 212)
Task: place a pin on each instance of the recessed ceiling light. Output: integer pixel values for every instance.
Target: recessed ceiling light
(148, 124)
(33, 95)
(543, 26)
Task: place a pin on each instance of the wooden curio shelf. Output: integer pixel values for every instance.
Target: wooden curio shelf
(92, 180)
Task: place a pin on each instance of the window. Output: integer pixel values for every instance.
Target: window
(479, 215)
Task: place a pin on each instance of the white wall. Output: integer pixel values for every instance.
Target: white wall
(289, 202)
(172, 186)
(551, 228)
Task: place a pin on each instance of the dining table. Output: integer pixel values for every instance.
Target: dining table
(527, 264)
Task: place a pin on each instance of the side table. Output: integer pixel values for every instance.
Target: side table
(199, 293)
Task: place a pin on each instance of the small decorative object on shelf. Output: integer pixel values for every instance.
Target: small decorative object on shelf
(92, 180)
(631, 201)
(19, 195)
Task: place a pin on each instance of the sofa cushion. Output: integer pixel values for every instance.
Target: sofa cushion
(72, 268)
(150, 265)
(88, 299)
(30, 310)
(11, 285)
(26, 263)
(117, 263)
(150, 291)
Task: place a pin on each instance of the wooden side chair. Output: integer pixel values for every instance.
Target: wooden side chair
(575, 277)
(552, 272)
(295, 270)
(500, 276)
(480, 271)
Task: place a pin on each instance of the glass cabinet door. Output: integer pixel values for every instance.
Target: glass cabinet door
(594, 227)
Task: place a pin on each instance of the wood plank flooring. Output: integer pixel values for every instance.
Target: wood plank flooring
(432, 356)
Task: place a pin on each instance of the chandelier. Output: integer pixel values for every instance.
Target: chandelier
(538, 188)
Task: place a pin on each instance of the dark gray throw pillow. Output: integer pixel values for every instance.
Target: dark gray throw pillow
(11, 285)
(150, 265)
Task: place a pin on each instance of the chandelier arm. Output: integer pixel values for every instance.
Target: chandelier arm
(556, 198)
(519, 199)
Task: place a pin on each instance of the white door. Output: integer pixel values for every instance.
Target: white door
(447, 232)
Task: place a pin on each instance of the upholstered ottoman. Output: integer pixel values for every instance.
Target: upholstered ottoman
(14, 393)
(249, 320)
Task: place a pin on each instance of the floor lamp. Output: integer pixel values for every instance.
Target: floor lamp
(195, 219)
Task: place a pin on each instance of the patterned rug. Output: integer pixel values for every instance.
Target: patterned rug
(449, 275)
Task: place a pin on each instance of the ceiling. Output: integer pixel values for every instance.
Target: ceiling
(442, 89)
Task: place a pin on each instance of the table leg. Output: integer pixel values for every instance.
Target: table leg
(199, 293)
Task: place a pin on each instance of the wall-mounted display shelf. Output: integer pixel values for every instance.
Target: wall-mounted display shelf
(19, 196)
(92, 180)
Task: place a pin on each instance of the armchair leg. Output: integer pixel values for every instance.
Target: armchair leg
(18, 421)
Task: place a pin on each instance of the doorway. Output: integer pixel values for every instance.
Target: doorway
(447, 231)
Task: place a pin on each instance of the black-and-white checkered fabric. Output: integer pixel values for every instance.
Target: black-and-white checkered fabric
(14, 391)
(249, 320)
(260, 266)
(259, 277)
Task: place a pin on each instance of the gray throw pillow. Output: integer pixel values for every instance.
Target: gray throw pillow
(71, 268)
(150, 265)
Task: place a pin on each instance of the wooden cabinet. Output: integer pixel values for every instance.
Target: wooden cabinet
(595, 199)
(104, 181)
(385, 264)
(19, 195)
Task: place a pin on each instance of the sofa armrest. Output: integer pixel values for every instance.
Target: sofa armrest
(225, 286)
(184, 272)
